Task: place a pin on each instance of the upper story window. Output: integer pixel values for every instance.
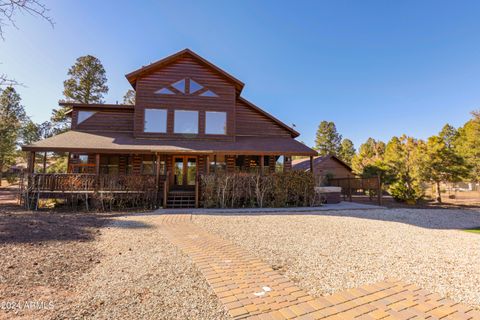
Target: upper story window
(155, 120)
(186, 86)
(186, 122)
(215, 122)
(84, 115)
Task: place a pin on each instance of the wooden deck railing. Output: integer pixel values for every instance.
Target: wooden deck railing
(77, 182)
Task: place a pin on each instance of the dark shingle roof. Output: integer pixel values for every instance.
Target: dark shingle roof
(304, 164)
(77, 141)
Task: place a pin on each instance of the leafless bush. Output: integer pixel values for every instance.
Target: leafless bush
(237, 190)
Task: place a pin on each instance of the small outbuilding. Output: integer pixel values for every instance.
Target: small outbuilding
(325, 166)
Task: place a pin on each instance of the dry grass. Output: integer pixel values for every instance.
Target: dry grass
(43, 255)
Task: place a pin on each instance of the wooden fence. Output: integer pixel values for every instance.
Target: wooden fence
(360, 188)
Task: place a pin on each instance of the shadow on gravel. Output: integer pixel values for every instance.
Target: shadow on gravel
(442, 219)
(20, 226)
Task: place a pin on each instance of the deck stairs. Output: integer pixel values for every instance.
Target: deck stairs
(181, 199)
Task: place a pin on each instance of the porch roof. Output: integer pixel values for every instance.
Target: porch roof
(77, 141)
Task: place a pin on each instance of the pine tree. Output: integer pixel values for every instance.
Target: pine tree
(347, 151)
(328, 139)
(440, 163)
(87, 83)
(403, 160)
(368, 162)
(12, 118)
(129, 97)
(467, 145)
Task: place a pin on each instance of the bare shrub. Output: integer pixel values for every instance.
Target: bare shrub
(251, 189)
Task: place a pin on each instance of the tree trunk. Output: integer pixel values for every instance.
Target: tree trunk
(439, 193)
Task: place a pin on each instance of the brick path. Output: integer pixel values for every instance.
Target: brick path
(250, 288)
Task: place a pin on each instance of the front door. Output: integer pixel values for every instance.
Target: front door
(184, 172)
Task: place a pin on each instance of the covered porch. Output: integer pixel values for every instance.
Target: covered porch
(151, 180)
(160, 172)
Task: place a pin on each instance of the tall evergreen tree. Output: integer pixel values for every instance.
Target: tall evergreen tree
(440, 163)
(449, 135)
(347, 151)
(368, 161)
(129, 97)
(403, 160)
(12, 118)
(467, 145)
(328, 139)
(87, 83)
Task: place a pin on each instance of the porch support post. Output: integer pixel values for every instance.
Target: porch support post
(311, 165)
(44, 162)
(31, 162)
(262, 160)
(287, 163)
(97, 164)
(157, 170)
(207, 161)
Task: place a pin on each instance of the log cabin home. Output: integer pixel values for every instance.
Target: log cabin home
(189, 119)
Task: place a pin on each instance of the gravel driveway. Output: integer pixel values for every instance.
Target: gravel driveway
(335, 250)
(142, 276)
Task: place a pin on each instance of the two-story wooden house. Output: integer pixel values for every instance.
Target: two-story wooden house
(189, 118)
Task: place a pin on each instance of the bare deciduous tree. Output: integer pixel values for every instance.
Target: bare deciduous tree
(8, 10)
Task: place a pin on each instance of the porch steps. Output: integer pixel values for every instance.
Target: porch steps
(181, 199)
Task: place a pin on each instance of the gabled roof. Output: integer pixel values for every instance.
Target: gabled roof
(268, 115)
(133, 76)
(304, 164)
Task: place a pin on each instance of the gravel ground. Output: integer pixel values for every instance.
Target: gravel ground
(42, 256)
(142, 276)
(331, 251)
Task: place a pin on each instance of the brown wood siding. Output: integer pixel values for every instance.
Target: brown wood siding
(250, 122)
(137, 164)
(332, 167)
(185, 67)
(287, 164)
(105, 121)
(230, 161)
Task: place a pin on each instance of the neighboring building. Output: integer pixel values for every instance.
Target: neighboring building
(325, 166)
(189, 119)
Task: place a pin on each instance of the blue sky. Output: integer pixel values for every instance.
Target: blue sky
(375, 68)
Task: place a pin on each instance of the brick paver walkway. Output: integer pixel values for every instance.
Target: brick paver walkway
(250, 288)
